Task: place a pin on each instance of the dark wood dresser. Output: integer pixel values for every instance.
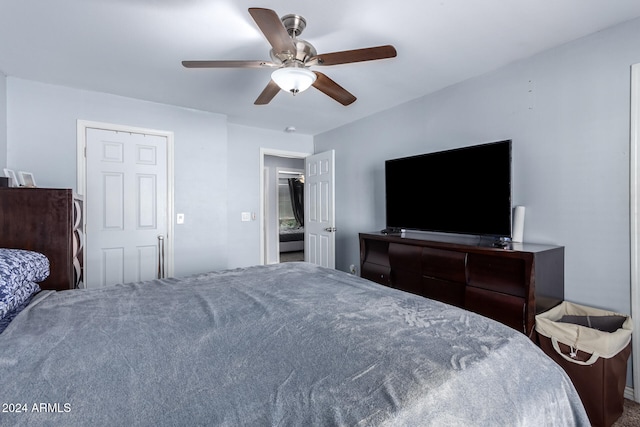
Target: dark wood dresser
(41, 220)
(510, 284)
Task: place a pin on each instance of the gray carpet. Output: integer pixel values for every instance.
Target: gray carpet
(291, 256)
(631, 415)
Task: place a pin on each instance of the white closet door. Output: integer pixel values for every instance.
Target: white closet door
(126, 205)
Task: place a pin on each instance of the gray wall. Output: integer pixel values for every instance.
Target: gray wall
(567, 112)
(244, 185)
(216, 169)
(42, 122)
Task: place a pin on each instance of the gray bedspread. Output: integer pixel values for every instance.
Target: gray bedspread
(287, 345)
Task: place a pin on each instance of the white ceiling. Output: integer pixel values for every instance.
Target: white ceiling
(134, 48)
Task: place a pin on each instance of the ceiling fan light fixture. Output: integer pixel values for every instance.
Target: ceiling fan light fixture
(293, 79)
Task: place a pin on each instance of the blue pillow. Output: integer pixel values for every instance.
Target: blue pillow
(19, 270)
(19, 265)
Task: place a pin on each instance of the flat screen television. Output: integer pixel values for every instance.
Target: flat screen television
(464, 191)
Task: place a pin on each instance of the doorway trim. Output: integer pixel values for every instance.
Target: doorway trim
(634, 202)
(81, 174)
(277, 153)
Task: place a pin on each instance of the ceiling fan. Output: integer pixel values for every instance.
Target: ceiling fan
(291, 57)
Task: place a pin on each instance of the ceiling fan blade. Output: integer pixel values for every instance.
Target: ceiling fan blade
(327, 86)
(228, 64)
(271, 26)
(356, 55)
(268, 93)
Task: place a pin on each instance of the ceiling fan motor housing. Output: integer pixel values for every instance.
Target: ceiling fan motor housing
(304, 51)
(295, 24)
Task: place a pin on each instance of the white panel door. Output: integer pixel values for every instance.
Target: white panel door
(126, 205)
(319, 215)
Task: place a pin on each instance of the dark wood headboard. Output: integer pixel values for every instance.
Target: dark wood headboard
(41, 220)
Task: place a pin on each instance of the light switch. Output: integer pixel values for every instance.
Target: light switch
(246, 216)
(180, 218)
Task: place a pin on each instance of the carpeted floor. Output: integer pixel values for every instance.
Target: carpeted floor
(291, 256)
(631, 415)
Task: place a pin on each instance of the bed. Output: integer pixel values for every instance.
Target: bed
(286, 344)
(291, 239)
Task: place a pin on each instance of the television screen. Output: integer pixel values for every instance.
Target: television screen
(464, 191)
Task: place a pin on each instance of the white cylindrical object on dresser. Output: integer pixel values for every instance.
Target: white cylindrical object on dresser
(518, 224)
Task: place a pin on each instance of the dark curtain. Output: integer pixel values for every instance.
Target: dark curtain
(296, 191)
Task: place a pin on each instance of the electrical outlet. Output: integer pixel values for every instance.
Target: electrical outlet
(246, 216)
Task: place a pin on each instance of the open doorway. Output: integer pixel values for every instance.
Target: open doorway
(282, 228)
(290, 214)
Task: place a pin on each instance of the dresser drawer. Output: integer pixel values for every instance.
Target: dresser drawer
(443, 264)
(510, 285)
(407, 280)
(505, 275)
(376, 273)
(375, 252)
(443, 290)
(404, 257)
(506, 309)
